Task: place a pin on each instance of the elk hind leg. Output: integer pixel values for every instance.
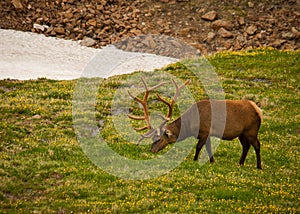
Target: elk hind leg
(256, 145)
(246, 147)
(209, 150)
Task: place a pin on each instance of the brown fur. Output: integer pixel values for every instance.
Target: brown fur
(230, 119)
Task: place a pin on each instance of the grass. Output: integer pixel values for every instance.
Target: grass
(44, 170)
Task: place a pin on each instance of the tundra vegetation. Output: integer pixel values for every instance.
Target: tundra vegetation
(43, 168)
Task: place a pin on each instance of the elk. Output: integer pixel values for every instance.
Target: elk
(224, 119)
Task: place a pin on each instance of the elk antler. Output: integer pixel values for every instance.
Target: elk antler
(171, 104)
(143, 102)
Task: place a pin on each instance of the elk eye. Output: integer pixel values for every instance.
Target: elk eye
(168, 133)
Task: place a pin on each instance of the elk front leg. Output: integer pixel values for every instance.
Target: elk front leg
(199, 146)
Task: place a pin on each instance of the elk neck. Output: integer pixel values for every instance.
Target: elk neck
(183, 128)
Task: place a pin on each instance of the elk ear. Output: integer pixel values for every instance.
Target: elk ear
(169, 133)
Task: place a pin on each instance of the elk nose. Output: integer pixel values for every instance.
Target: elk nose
(153, 150)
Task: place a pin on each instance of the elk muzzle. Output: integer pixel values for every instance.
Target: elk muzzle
(160, 144)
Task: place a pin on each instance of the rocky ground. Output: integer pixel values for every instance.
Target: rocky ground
(209, 26)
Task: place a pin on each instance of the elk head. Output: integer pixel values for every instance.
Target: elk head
(160, 137)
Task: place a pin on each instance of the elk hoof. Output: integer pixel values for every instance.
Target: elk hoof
(212, 160)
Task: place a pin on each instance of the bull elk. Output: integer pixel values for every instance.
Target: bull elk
(202, 120)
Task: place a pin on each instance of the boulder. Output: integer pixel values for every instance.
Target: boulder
(17, 4)
(222, 24)
(210, 16)
(88, 42)
(59, 30)
(210, 36)
(251, 30)
(225, 33)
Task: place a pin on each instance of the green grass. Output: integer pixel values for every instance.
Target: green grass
(44, 170)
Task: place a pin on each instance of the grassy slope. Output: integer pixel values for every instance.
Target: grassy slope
(44, 169)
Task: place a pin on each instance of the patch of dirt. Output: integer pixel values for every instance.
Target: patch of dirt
(209, 26)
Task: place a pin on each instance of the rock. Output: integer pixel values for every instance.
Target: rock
(17, 4)
(210, 16)
(251, 30)
(210, 36)
(49, 30)
(222, 24)
(296, 13)
(101, 124)
(296, 32)
(250, 4)
(226, 44)
(149, 42)
(259, 36)
(240, 39)
(237, 46)
(68, 15)
(88, 42)
(287, 35)
(40, 27)
(92, 22)
(219, 49)
(225, 33)
(59, 30)
(52, 33)
(36, 117)
(289, 46)
(277, 43)
(136, 31)
(241, 20)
